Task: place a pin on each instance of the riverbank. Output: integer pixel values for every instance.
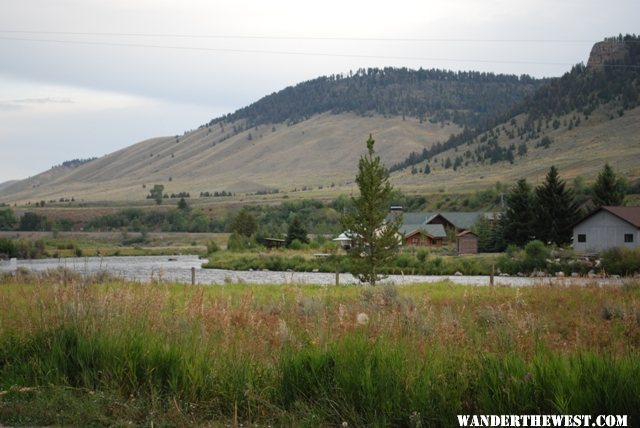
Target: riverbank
(180, 269)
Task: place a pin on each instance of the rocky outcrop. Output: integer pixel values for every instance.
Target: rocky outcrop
(607, 51)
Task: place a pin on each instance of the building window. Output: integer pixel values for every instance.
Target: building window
(628, 237)
(582, 237)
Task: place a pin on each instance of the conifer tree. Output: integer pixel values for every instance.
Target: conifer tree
(609, 188)
(182, 205)
(518, 218)
(556, 210)
(244, 224)
(374, 241)
(296, 231)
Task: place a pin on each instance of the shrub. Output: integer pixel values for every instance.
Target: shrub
(212, 247)
(621, 261)
(239, 242)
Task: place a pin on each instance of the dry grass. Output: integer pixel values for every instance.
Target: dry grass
(287, 354)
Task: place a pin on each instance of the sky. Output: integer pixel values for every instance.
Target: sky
(84, 78)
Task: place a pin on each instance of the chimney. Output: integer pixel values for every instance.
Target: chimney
(395, 211)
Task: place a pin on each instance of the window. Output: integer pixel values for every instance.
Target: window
(628, 237)
(582, 237)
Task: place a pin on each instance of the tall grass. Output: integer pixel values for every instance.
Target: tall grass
(72, 352)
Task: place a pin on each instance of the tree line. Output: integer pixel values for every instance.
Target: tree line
(580, 90)
(465, 98)
(549, 211)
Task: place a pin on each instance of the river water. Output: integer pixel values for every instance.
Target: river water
(179, 269)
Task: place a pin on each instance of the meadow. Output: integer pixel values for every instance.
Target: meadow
(103, 352)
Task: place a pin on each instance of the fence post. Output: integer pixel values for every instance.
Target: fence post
(337, 275)
(493, 268)
(193, 276)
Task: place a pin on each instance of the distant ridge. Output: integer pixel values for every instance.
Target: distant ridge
(467, 98)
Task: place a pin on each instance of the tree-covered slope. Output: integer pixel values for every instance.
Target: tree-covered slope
(465, 98)
(560, 104)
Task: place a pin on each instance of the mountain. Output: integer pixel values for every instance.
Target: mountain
(309, 135)
(6, 184)
(468, 130)
(587, 117)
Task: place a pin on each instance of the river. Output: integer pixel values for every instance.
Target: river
(179, 269)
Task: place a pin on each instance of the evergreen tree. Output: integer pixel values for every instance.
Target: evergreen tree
(609, 188)
(556, 210)
(296, 231)
(182, 205)
(518, 217)
(8, 219)
(490, 236)
(244, 224)
(374, 241)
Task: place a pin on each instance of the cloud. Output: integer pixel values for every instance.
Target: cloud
(46, 100)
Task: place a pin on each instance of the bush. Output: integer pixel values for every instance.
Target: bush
(295, 245)
(535, 255)
(21, 249)
(621, 261)
(212, 247)
(240, 242)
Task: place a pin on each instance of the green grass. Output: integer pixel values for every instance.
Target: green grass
(75, 353)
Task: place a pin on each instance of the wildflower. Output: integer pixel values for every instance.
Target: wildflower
(362, 318)
(342, 311)
(283, 330)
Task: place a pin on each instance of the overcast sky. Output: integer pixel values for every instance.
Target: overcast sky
(83, 78)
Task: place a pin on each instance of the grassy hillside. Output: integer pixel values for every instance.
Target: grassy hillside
(468, 130)
(577, 151)
(321, 151)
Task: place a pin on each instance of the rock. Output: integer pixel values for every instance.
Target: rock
(458, 273)
(602, 52)
(559, 274)
(575, 275)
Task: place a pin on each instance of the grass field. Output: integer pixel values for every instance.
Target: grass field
(83, 353)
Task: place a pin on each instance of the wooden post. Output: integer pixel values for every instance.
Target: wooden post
(193, 276)
(493, 268)
(337, 275)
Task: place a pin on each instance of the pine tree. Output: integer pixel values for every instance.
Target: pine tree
(182, 205)
(609, 188)
(556, 210)
(244, 224)
(518, 218)
(374, 241)
(296, 231)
